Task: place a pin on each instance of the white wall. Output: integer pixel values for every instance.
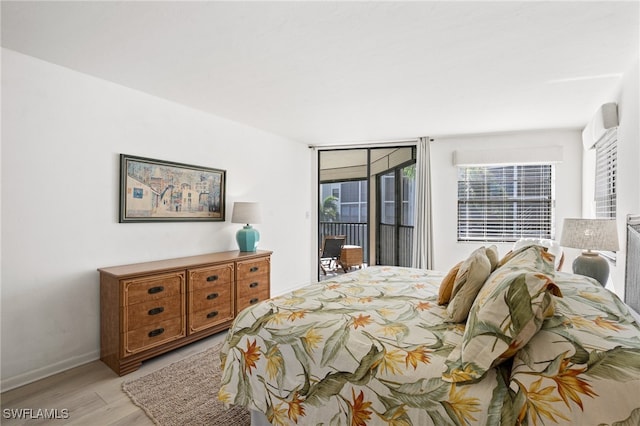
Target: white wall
(448, 250)
(628, 184)
(628, 178)
(62, 133)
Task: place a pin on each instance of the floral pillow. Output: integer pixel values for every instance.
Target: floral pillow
(445, 292)
(494, 257)
(532, 257)
(507, 313)
(470, 278)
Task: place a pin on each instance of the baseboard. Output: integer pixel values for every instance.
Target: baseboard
(44, 372)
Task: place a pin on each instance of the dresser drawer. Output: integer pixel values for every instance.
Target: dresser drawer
(152, 288)
(153, 335)
(210, 306)
(152, 312)
(251, 291)
(210, 277)
(206, 318)
(252, 268)
(247, 300)
(255, 285)
(211, 298)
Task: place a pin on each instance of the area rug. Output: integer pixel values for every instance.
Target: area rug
(185, 393)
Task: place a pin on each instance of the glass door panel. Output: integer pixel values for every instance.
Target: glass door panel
(387, 229)
(396, 191)
(343, 199)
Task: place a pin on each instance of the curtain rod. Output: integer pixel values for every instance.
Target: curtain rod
(370, 144)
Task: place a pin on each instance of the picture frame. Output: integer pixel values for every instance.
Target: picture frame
(164, 191)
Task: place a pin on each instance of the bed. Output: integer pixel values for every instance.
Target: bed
(385, 345)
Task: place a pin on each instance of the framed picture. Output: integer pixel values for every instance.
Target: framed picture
(164, 191)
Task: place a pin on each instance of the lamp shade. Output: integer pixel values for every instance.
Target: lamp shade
(246, 212)
(590, 234)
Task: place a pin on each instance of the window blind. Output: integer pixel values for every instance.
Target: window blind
(505, 203)
(605, 180)
(605, 176)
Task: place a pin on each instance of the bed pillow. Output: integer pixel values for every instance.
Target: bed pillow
(507, 313)
(446, 286)
(532, 257)
(472, 274)
(553, 247)
(494, 257)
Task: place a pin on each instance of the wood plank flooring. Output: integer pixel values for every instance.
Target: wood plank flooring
(91, 393)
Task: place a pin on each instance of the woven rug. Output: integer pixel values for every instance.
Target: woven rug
(185, 393)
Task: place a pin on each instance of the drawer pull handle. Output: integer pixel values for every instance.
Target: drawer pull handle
(212, 296)
(253, 285)
(253, 269)
(254, 300)
(154, 290)
(212, 278)
(156, 311)
(156, 332)
(212, 314)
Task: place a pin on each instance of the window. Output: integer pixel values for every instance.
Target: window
(408, 194)
(353, 201)
(605, 180)
(505, 203)
(388, 198)
(347, 202)
(606, 169)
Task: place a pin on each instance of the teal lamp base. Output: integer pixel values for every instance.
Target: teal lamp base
(592, 265)
(247, 238)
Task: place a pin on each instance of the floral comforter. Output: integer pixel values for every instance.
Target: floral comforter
(583, 366)
(369, 347)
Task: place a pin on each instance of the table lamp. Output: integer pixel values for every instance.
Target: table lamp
(247, 213)
(591, 234)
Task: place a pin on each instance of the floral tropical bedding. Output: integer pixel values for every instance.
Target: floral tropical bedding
(375, 347)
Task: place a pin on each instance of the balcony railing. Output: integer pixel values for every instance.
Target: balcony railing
(356, 234)
(395, 242)
(395, 245)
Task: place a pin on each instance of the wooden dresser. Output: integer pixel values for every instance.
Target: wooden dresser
(147, 309)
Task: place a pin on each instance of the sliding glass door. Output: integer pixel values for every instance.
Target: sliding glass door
(363, 186)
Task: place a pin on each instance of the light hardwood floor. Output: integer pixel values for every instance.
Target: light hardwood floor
(92, 393)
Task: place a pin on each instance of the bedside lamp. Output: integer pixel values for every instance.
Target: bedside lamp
(591, 234)
(246, 213)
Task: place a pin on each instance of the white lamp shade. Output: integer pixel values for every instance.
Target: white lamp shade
(590, 234)
(245, 212)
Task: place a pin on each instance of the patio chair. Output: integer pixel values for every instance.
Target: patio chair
(330, 252)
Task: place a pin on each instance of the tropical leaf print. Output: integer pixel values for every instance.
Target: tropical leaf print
(370, 348)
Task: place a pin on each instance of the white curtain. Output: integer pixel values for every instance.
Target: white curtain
(422, 256)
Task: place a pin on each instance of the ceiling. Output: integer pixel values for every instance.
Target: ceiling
(340, 72)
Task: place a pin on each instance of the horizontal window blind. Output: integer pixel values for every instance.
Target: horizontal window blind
(505, 203)
(605, 180)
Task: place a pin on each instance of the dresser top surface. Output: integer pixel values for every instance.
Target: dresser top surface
(182, 262)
